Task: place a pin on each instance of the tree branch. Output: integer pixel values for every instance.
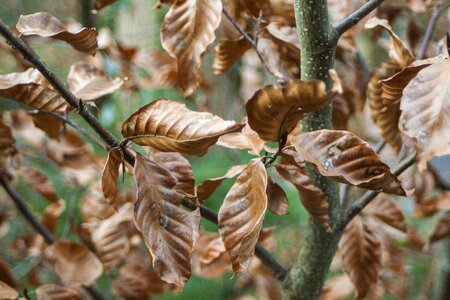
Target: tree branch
(357, 16)
(437, 12)
(362, 202)
(37, 225)
(109, 139)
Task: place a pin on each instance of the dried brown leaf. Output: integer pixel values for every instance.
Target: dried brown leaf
(51, 125)
(242, 213)
(169, 126)
(227, 53)
(207, 187)
(169, 231)
(39, 182)
(109, 177)
(162, 67)
(312, 198)
(74, 263)
(45, 25)
(387, 210)
(337, 288)
(7, 141)
(246, 139)
(89, 83)
(270, 53)
(277, 199)
(51, 215)
(346, 158)
(57, 292)
(30, 87)
(193, 22)
(7, 292)
(274, 112)
(425, 117)
(100, 4)
(361, 251)
(210, 259)
(442, 229)
(7, 276)
(433, 205)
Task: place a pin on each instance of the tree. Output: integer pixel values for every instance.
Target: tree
(408, 98)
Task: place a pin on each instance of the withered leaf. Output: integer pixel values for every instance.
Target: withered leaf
(89, 83)
(39, 182)
(246, 139)
(433, 205)
(51, 125)
(52, 213)
(312, 198)
(346, 158)
(169, 126)
(207, 187)
(337, 288)
(45, 25)
(425, 112)
(242, 213)
(169, 231)
(270, 53)
(30, 87)
(187, 30)
(57, 292)
(7, 141)
(386, 209)
(109, 177)
(210, 259)
(442, 229)
(100, 4)
(361, 251)
(74, 263)
(277, 199)
(7, 276)
(227, 53)
(274, 112)
(7, 292)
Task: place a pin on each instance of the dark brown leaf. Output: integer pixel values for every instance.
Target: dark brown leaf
(39, 182)
(227, 53)
(387, 210)
(109, 177)
(277, 199)
(442, 229)
(207, 187)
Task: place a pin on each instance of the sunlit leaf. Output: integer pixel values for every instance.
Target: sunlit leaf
(346, 158)
(361, 251)
(207, 187)
(387, 210)
(186, 32)
(442, 229)
(89, 83)
(169, 231)
(57, 292)
(277, 199)
(45, 25)
(227, 53)
(246, 139)
(242, 213)
(109, 177)
(73, 263)
(169, 126)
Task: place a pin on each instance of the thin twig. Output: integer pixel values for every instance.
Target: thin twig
(105, 135)
(357, 16)
(362, 202)
(37, 225)
(257, 28)
(437, 12)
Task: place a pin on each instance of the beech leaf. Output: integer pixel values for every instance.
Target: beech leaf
(46, 25)
(57, 292)
(186, 32)
(346, 158)
(442, 229)
(39, 182)
(7, 292)
(246, 139)
(51, 214)
(227, 53)
(210, 258)
(169, 126)
(361, 252)
(109, 177)
(48, 123)
(386, 209)
(207, 187)
(7, 141)
(242, 213)
(277, 199)
(168, 231)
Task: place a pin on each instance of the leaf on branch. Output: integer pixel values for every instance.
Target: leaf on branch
(399, 53)
(187, 30)
(30, 87)
(89, 83)
(100, 4)
(73, 263)
(109, 177)
(385, 209)
(277, 199)
(169, 231)
(161, 66)
(210, 259)
(51, 215)
(270, 53)
(169, 126)
(312, 198)
(45, 25)
(227, 53)
(207, 187)
(51, 125)
(245, 139)
(361, 252)
(56, 292)
(40, 183)
(442, 229)
(274, 112)
(346, 158)
(425, 112)
(242, 213)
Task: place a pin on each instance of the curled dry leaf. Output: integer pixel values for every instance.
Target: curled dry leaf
(277, 199)
(386, 209)
(361, 251)
(433, 205)
(312, 198)
(179, 167)
(246, 139)
(425, 112)
(51, 215)
(207, 187)
(442, 229)
(170, 126)
(169, 231)
(45, 25)
(7, 292)
(89, 83)
(210, 259)
(346, 158)
(40, 183)
(73, 263)
(57, 292)
(274, 112)
(399, 53)
(100, 4)
(109, 177)
(30, 87)
(193, 22)
(242, 213)
(227, 53)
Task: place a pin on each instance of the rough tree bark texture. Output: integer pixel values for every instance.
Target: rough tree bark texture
(317, 41)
